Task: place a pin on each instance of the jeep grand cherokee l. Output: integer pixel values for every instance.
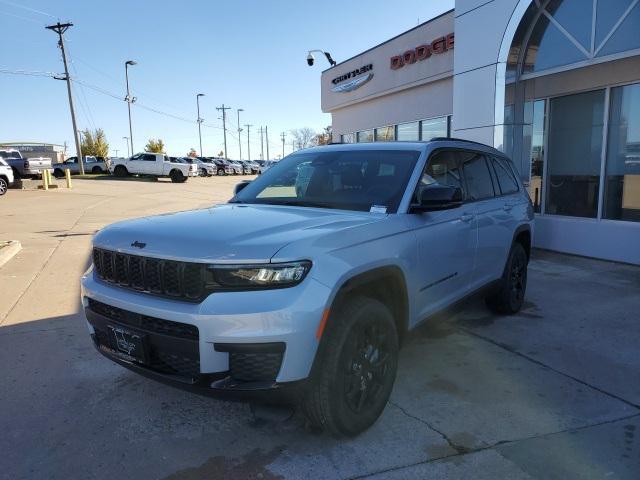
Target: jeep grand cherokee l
(306, 281)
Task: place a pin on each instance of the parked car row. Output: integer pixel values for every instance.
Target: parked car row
(208, 166)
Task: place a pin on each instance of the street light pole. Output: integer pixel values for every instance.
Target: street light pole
(199, 120)
(128, 99)
(239, 131)
(261, 144)
(248, 147)
(266, 139)
(126, 139)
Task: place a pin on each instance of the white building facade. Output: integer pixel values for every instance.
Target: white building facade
(553, 83)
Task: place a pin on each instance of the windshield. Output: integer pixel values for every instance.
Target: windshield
(5, 154)
(364, 180)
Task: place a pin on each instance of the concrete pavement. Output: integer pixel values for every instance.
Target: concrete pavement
(551, 393)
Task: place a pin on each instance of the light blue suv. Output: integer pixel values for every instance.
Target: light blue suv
(302, 286)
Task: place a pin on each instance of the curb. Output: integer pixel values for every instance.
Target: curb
(8, 249)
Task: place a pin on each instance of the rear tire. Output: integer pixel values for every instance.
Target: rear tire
(58, 173)
(16, 173)
(513, 285)
(121, 171)
(203, 172)
(4, 185)
(177, 176)
(96, 170)
(355, 369)
(220, 172)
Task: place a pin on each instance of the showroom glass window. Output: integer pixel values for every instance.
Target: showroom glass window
(537, 111)
(365, 136)
(433, 128)
(385, 134)
(622, 183)
(575, 149)
(409, 132)
(347, 138)
(572, 31)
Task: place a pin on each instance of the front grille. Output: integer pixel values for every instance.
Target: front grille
(168, 278)
(254, 367)
(145, 322)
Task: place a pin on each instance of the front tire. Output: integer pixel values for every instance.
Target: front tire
(203, 172)
(96, 170)
(513, 285)
(355, 369)
(121, 171)
(58, 173)
(220, 172)
(3, 186)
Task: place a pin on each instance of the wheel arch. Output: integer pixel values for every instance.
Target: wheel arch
(522, 235)
(386, 284)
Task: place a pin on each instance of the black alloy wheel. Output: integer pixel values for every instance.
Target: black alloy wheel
(509, 297)
(355, 368)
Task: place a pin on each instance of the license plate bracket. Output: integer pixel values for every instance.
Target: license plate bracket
(129, 343)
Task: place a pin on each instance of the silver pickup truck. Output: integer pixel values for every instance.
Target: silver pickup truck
(29, 167)
(92, 164)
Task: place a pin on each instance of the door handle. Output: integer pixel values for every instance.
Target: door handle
(467, 217)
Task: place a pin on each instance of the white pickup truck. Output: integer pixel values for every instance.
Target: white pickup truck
(152, 165)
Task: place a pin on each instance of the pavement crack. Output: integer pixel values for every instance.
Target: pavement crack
(544, 365)
(460, 449)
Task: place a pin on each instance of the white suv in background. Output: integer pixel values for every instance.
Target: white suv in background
(6, 177)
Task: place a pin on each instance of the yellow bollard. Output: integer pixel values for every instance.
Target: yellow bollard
(45, 180)
(67, 176)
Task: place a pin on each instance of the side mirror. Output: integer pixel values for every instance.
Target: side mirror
(432, 198)
(240, 186)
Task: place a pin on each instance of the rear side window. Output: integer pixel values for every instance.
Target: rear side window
(506, 181)
(149, 158)
(478, 176)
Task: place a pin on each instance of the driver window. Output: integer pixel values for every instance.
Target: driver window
(443, 169)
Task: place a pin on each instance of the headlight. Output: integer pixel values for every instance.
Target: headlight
(268, 275)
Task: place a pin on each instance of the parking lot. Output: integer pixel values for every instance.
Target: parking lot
(551, 393)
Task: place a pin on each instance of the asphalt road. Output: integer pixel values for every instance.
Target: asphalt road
(551, 393)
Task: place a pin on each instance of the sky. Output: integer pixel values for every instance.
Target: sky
(249, 55)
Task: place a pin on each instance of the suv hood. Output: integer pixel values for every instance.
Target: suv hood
(227, 233)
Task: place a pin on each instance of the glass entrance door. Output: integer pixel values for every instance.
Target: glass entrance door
(574, 155)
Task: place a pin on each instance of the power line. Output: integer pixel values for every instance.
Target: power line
(22, 18)
(28, 72)
(29, 9)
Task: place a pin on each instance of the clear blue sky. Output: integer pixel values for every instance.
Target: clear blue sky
(248, 55)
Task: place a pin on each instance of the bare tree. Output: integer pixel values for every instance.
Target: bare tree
(303, 137)
(325, 137)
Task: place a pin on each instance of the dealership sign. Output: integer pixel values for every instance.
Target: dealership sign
(423, 52)
(353, 79)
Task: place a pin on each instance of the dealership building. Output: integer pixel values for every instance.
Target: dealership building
(555, 84)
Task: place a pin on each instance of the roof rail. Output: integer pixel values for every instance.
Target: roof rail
(453, 139)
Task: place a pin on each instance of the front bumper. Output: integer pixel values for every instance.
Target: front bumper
(246, 343)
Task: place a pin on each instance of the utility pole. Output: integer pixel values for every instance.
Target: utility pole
(266, 140)
(282, 136)
(239, 131)
(261, 144)
(129, 99)
(126, 139)
(199, 121)
(60, 28)
(248, 148)
(224, 127)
